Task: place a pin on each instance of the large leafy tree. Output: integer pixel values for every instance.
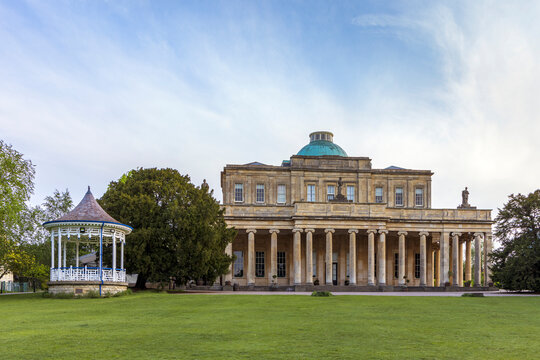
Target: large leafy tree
(516, 264)
(16, 186)
(179, 230)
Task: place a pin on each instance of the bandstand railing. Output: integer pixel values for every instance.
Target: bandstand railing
(87, 274)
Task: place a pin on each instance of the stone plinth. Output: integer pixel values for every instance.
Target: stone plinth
(83, 287)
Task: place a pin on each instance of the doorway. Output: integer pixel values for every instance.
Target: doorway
(334, 273)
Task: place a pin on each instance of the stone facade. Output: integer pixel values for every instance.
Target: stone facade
(384, 233)
(81, 288)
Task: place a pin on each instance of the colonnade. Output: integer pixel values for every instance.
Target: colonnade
(441, 258)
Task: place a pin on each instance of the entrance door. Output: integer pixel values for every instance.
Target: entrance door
(334, 273)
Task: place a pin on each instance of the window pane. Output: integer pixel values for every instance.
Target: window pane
(238, 270)
(419, 197)
(281, 264)
(259, 263)
(282, 194)
(239, 192)
(311, 193)
(417, 266)
(399, 196)
(331, 190)
(260, 193)
(350, 193)
(314, 263)
(378, 195)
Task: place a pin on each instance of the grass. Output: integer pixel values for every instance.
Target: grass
(170, 326)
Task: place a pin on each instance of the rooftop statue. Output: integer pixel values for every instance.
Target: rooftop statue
(465, 200)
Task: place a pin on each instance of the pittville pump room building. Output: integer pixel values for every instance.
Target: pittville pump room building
(329, 219)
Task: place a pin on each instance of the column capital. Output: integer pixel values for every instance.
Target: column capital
(271, 231)
(295, 230)
(458, 234)
(425, 233)
(251, 231)
(329, 231)
(402, 233)
(383, 231)
(309, 230)
(353, 231)
(479, 234)
(371, 231)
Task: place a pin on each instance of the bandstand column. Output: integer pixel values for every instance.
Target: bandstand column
(64, 249)
(122, 254)
(309, 256)
(273, 255)
(460, 265)
(382, 257)
(52, 250)
(77, 252)
(455, 258)
(371, 256)
(423, 259)
(477, 259)
(401, 248)
(59, 250)
(328, 259)
(297, 256)
(468, 260)
(251, 257)
(114, 256)
(352, 256)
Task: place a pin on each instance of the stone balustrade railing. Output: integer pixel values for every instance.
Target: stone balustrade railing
(87, 274)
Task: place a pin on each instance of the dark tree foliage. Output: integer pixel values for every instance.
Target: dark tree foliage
(516, 264)
(178, 228)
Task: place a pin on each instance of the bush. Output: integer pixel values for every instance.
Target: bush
(472, 295)
(321, 293)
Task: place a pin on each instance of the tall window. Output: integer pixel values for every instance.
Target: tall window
(259, 263)
(314, 263)
(260, 193)
(419, 197)
(399, 196)
(311, 193)
(350, 192)
(378, 194)
(396, 265)
(238, 192)
(281, 194)
(375, 264)
(330, 192)
(281, 264)
(417, 266)
(238, 270)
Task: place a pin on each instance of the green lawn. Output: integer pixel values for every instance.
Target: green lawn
(163, 326)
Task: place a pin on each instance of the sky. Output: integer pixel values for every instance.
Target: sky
(92, 89)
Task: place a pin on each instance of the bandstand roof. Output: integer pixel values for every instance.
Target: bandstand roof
(88, 210)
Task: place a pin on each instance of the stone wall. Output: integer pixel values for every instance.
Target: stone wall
(79, 288)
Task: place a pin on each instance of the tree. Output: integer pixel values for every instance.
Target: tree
(179, 229)
(16, 186)
(516, 264)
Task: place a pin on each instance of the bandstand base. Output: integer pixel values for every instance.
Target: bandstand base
(83, 287)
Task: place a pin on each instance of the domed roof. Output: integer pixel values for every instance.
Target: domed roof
(322, 144)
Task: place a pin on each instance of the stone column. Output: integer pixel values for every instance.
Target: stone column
(352, 256)
(423, 259)
(371, 256)
(487, 252)
(460, 264)
(273, 255)
(329, 233)
(228, 251)
(296, 255)
(477, 259)
(309, 256)
(402, 255)
(438, 265)
(455, 258)
(251, 257)
(382, 257)
(444, 257)
(468, 260)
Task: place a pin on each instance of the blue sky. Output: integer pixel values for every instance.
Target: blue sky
(90, 89)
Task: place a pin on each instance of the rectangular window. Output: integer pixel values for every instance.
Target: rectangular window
(238, 270)
(238, 192)
(378, 194)
(314, 263)
(348, 271)
(330, 192)
(396, 265)
(281, 264)
(281, 194)
(350, 192)
(375, 265)
(259, 263)
(419, 197)
(311, 193)
(417, 266)
(260, 193)
(399, 196)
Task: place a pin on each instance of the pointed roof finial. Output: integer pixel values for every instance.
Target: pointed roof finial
(88, 188)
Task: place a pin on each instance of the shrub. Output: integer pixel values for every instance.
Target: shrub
(472, 295)
(321, 293)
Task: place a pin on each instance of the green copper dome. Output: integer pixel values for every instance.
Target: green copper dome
(321, 143)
